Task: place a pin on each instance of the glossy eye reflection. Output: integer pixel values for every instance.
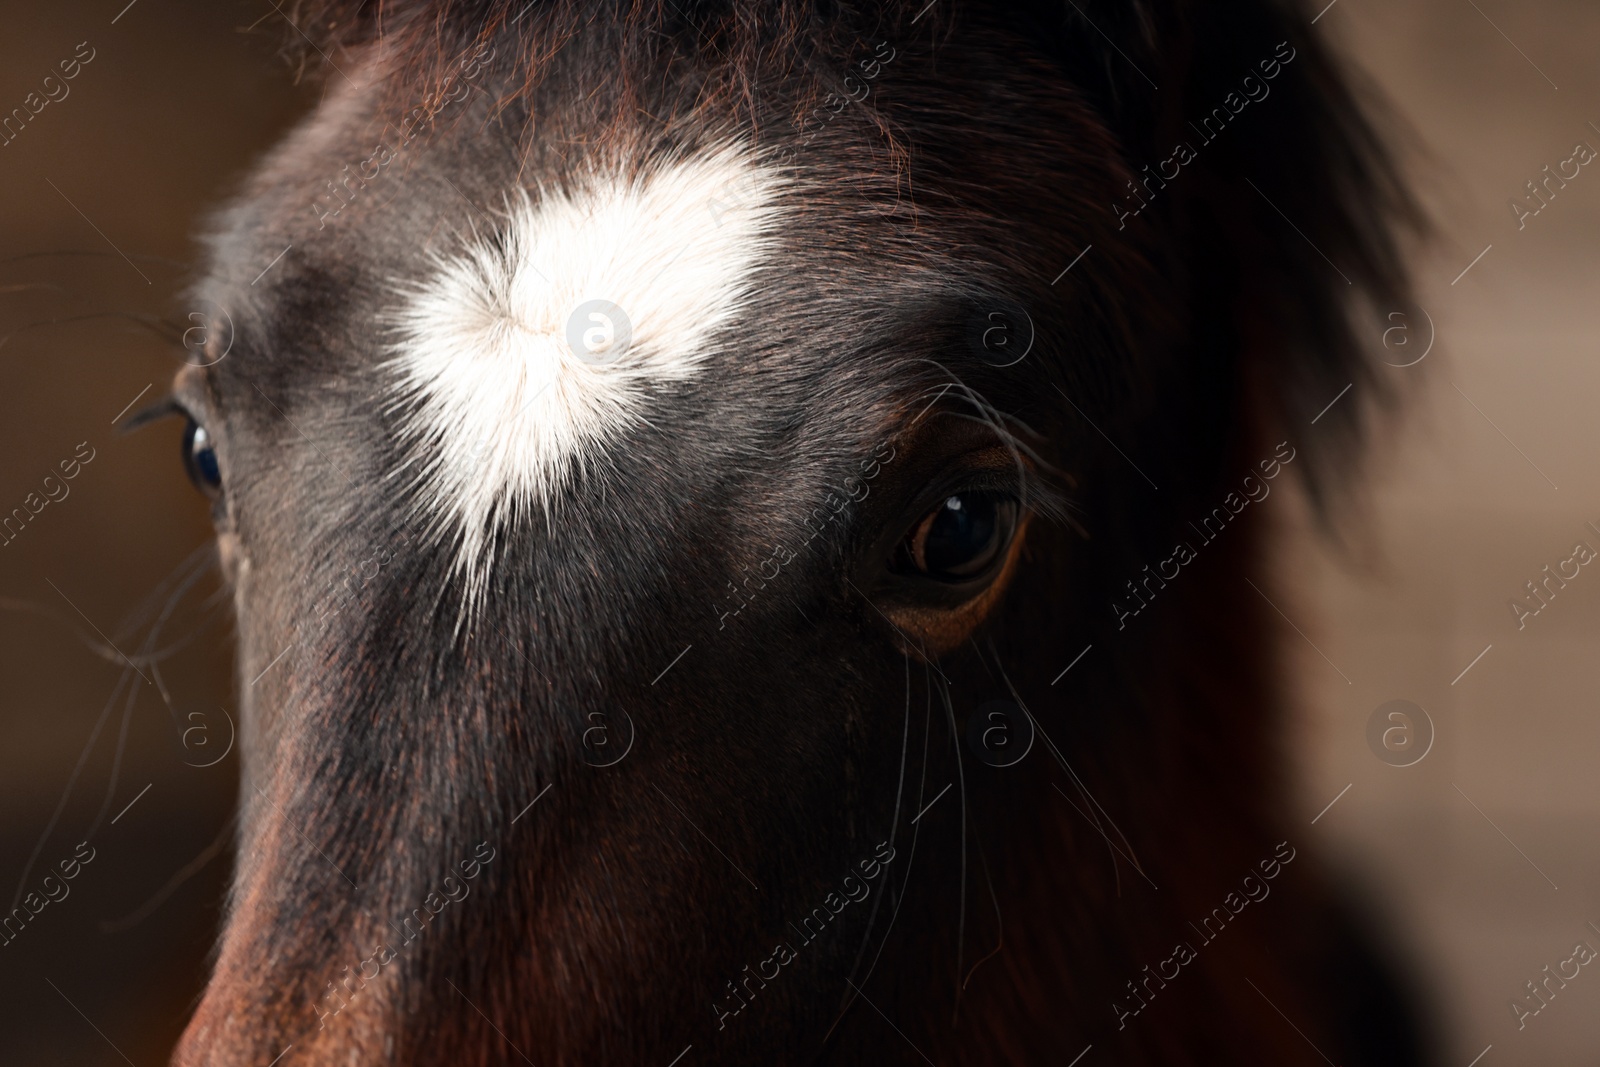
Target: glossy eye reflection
(960, 539)
(200, 459)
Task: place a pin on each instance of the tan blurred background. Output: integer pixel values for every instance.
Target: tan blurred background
(1480, 852)
(1491, 475)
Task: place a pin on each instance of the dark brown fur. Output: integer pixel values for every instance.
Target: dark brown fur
(1196, 338)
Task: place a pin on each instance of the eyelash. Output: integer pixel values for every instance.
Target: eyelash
(166, 407)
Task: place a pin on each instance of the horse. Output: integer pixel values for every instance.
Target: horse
(988, 327)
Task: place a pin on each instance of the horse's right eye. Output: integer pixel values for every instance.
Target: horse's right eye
(200, 459)
(961, 540)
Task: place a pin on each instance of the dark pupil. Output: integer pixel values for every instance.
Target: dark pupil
(961, 536)
(201, 457)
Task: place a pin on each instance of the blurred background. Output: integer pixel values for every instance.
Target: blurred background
(1478, 852)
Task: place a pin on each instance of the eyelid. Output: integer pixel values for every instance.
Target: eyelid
(1043, 489)
(996, 469)
(165, 407)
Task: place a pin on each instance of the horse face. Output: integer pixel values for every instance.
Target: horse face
(608, 484)
(639, 486)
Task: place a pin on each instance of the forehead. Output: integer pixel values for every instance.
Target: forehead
(530, 346)
(506, 307)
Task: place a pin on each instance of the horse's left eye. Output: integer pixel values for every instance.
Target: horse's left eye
(200, 459)
(962, 539)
